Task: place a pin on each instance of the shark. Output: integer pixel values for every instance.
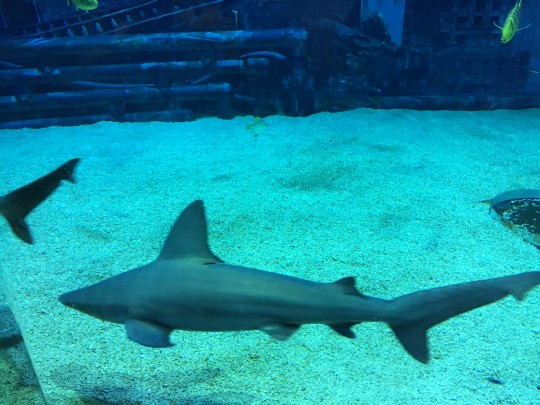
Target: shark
(189, 288)
(16, 205)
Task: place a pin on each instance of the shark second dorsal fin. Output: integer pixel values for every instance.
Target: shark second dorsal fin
(348, 286)
(189, 237)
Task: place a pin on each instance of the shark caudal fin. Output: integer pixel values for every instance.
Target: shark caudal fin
(423, 309)
(16, 222)
(16, 205)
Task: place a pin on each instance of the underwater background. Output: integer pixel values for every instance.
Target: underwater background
(321, 138)
(391, 197)
(85, 61)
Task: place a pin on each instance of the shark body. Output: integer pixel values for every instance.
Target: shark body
(187, 287)
(16, 205)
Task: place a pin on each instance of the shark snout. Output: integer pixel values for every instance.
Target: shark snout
(67, 300)
(77, 300)
(100, 306)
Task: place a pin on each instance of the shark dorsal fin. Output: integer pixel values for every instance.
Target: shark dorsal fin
(188, 238)
(348, 286)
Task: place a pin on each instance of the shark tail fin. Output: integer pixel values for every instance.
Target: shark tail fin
(16, 222)
(415, 313)
(414, 340)
(67, 169)
(16, 205)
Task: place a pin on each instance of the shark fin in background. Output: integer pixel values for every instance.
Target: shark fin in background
(16, 205)
(20, 228)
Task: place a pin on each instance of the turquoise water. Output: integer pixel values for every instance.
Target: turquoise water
(390, 197)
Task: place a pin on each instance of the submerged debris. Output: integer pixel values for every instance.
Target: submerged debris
(519, 211)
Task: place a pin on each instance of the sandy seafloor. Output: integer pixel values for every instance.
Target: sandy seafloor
(388, 196)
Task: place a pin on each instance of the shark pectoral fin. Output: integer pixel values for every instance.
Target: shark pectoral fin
(344, 329)
(413, 338)
(280, 331)
(148, 333)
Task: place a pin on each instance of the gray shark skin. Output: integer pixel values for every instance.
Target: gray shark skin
(16, 205)
(187, 287)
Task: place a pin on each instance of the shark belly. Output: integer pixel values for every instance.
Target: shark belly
(231, 298)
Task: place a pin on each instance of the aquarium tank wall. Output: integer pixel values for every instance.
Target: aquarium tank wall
(167, 60)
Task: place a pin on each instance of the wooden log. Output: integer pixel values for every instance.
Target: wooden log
(76, 99)
(178, 115)
(134, 72)
(55, 121)
(111, 46)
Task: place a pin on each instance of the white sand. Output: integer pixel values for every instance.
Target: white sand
(388, 196)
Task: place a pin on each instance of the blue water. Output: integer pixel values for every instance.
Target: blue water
(321, 139)
(388, 197)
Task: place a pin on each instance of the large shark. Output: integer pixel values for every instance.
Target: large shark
(188, 287)
(16, 205)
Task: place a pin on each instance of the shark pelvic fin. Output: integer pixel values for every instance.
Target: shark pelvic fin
(344, 329)
(148, 333)
(188, 238)
(280, 331)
